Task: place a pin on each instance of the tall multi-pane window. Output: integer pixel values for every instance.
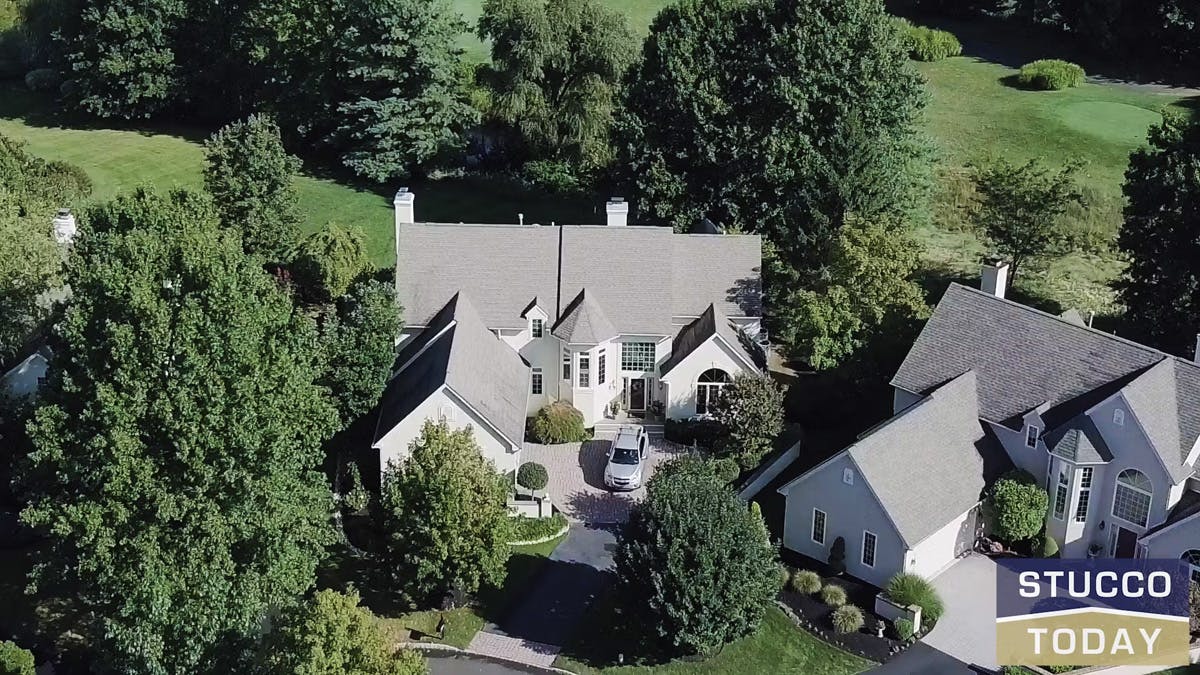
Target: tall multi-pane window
(868, 549)
(601, 368)
(1085, 494)
(708, 389)
(535, 381)
(537, 329)
(638, 356)
(585, 370)
(818, 526)
(1132, 500)
(566, 364)
(1031, 436)
(1061, 493)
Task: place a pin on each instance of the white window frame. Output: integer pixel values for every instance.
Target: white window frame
(1118, 417)
(566, 365)
(537, 327)
(583, 371)
(1191, 557)
(1118, 485)
(1084, 503)
(632, 361)
(600, 367)
(874, 549)
(1032, 435)
(848, 476)
(537, 385)
(1062, 494)
(812, 530)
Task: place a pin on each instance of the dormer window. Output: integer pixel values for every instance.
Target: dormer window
(537, 328)
(1031, 436)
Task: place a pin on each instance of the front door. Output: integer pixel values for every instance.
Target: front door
(1126, 543)
(637, 394)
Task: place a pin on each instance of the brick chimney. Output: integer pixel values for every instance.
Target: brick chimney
(994, 277)
(617, 210)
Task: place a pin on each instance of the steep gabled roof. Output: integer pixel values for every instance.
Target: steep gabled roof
(1023, 357)
(458, 351)
(940, 440)
(584, 322)
(711, 323)
(1079, 441)
(644, 276)
(1154, 399)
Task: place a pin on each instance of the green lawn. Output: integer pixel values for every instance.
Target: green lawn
(778, 647)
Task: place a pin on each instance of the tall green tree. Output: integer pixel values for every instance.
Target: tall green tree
(556, 68)
(443, 516)
(175, 457)
(360, 341)
(122, 61)
(865, 293)
(695, 566)
(329, 260)
(1021, 209)
(331, 634)
(250, 177)
(1161, 237)
(777, 117)
(751, 410)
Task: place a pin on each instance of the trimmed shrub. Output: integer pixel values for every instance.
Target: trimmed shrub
(1051, 75)
(532, 529)
(833, 595)
(784, 575)
(1015, 506)
(847, 619)
(928, 44)
(904, 629)
(704, 433)
(559, 422)
(532, 476)
(727, 469)
(1049, 547)
(552, 176)
(806, 581)
(42, 79)
(911, 589)
(15, 660)
(837, 557)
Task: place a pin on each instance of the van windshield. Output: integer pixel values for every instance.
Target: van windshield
(624, 456)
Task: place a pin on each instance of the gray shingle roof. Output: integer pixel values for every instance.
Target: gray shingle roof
(711, 322)
(461, 353)
(584, 322)
(643, 276)
(1079, 441)
(1025, 358)
(941, 440)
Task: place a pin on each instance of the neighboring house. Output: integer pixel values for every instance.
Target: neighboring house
(26, 377)
(1108, 426)
(598, 316)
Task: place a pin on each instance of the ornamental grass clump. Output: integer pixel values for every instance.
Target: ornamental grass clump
(833, 595)
(847, 619)
(806, 581)
(1051, 75)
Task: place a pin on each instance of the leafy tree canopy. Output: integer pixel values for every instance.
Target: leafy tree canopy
(1021, 208)
(331, 634)
(556, 67)
(327, 262)
(249, 175)
(774, 117)
(695, 567)
(1016, 506)
(444, 519)
(175, 454)
(1161, 238)
(751, 410)
(360, 342)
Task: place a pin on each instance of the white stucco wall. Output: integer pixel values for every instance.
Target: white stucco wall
(681, 381)
(443, 403)
(938, 550)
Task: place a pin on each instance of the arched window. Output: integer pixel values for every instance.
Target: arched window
(708, 389)
(1192, 558)
(1132, 499)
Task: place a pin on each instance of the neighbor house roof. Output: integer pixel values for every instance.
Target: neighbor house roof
(583, 322)
(1026, 359)
(457, 350)
(709, 324)
(941, 440)
(1186, 508)
(642, 276)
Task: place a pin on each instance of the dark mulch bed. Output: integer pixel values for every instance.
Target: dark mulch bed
(817, 616)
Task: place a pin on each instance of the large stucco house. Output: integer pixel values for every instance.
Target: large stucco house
(504, 319)
(1108, 426)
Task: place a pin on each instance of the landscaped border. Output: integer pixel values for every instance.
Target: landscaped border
(831, 639)
(542, 540)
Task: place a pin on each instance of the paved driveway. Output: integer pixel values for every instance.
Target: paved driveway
(577, 477)
(967, 630)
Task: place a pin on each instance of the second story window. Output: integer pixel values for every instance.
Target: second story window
(1133, 495)
(585, 371)
(535, 381)
(600, 367)
(1085, 494)
(1060, 495)
(537, 328)
(566, 365)
(1031, 436)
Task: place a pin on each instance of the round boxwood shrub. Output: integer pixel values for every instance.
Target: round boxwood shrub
(559, 422)
(42, 79)
(1015, 506)
(15, 660)
(1051, 74)
(911, 589)
(904, 629)
(806, 581)
(847, 619)
(929, 44)
(727, 469)
(833, 595)
(532, 476)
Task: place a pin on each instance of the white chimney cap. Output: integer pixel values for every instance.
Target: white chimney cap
(64, 226)
(993, 279)
(403, 196)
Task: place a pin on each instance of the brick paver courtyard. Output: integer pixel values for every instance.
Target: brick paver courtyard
(577, 477)
(513, 649)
